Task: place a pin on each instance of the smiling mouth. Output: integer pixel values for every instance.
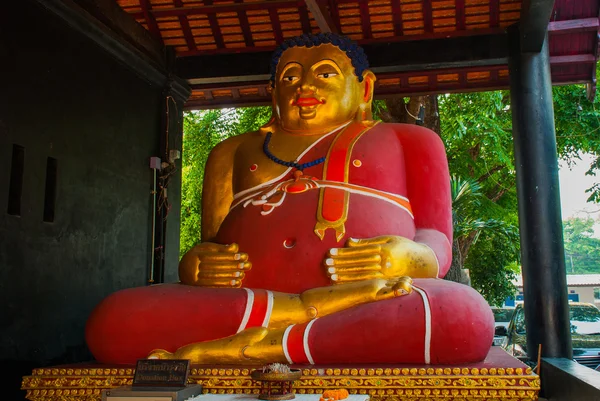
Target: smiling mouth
(307, 102)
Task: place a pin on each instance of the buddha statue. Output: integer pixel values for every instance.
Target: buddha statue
(325, 238)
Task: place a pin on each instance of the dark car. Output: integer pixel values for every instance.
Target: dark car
(502, 317)
(585, 333)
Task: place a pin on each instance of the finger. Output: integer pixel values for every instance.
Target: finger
(402, 279)
(354, 261)
(341, 270)
(354, 242)
(401, 286)
(230, 248)
(223, 257)
(219, 265)
(221, 274)
(219, 283)
(348, 278)
(212, 247)
(356, 251)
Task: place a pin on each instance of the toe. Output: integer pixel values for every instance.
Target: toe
(160, 354)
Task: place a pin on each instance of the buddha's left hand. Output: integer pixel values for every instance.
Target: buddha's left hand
(387, 256)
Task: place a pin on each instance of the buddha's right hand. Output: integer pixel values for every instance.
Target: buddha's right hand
(214, 265)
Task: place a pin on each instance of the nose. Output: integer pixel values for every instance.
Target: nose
(307, 85)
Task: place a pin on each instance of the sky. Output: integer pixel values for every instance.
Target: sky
(573, 183)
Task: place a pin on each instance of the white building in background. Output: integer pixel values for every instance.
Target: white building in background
(581, 287)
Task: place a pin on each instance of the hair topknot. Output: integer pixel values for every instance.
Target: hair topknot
(354, 52)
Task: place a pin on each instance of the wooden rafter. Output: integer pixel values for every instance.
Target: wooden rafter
(460, 15)
(150, 19)
(397, 17)
(185, 27)
(321, 15)
(304, 19)
(494, 13)
(214, 26)
(276, 24)
(364, 18)
(245, 26)
(428, 16)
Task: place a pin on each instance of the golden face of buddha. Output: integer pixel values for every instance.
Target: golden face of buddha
(317, 90)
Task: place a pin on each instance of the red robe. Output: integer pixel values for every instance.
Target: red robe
(440, 322)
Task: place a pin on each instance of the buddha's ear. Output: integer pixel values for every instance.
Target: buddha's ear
(365, 112)
(274, 100)
(369, 85)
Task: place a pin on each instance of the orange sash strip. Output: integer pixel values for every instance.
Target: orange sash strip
(333, 202)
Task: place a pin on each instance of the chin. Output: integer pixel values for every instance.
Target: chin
(308, 115)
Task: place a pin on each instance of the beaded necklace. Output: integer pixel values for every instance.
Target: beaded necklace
(277, 160)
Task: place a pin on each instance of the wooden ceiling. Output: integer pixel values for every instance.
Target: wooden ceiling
(223, 47)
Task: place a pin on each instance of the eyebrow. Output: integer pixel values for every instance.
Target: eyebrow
(289, 65)
(327, 61)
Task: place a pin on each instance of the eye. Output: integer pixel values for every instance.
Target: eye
(289, 78)
(327, 75)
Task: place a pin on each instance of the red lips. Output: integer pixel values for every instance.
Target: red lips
(307, 101)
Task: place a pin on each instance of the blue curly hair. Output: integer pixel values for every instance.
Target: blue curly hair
(354, 52)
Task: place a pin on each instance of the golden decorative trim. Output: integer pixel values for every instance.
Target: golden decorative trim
(383, 384)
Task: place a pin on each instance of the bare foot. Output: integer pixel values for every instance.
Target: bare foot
(226, 350)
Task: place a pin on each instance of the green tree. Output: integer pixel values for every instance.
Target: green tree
(487, 247)
(582, 249)
(577, 122)
(477, 131)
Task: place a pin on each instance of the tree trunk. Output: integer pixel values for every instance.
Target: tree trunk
(406, 110)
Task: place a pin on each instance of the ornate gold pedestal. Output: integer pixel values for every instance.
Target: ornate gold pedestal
(499, 377)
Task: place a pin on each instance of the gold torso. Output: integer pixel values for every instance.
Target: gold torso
(252, 167)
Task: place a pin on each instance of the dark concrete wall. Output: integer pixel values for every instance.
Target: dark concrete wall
(61, 96)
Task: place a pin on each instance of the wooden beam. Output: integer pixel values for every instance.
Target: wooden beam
(574, 26)
(116, 19)
(573, 59)
(222, 8)
(141, 56)
(459, 52)
(533, 26)
(321, 15)
(462, 85)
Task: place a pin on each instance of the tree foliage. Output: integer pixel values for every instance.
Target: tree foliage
(582, 250)
(577, 122)
(477, 131)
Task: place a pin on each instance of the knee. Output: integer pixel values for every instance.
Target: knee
(461, 323)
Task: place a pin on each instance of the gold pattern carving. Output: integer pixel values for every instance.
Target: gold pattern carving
(383, 384)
